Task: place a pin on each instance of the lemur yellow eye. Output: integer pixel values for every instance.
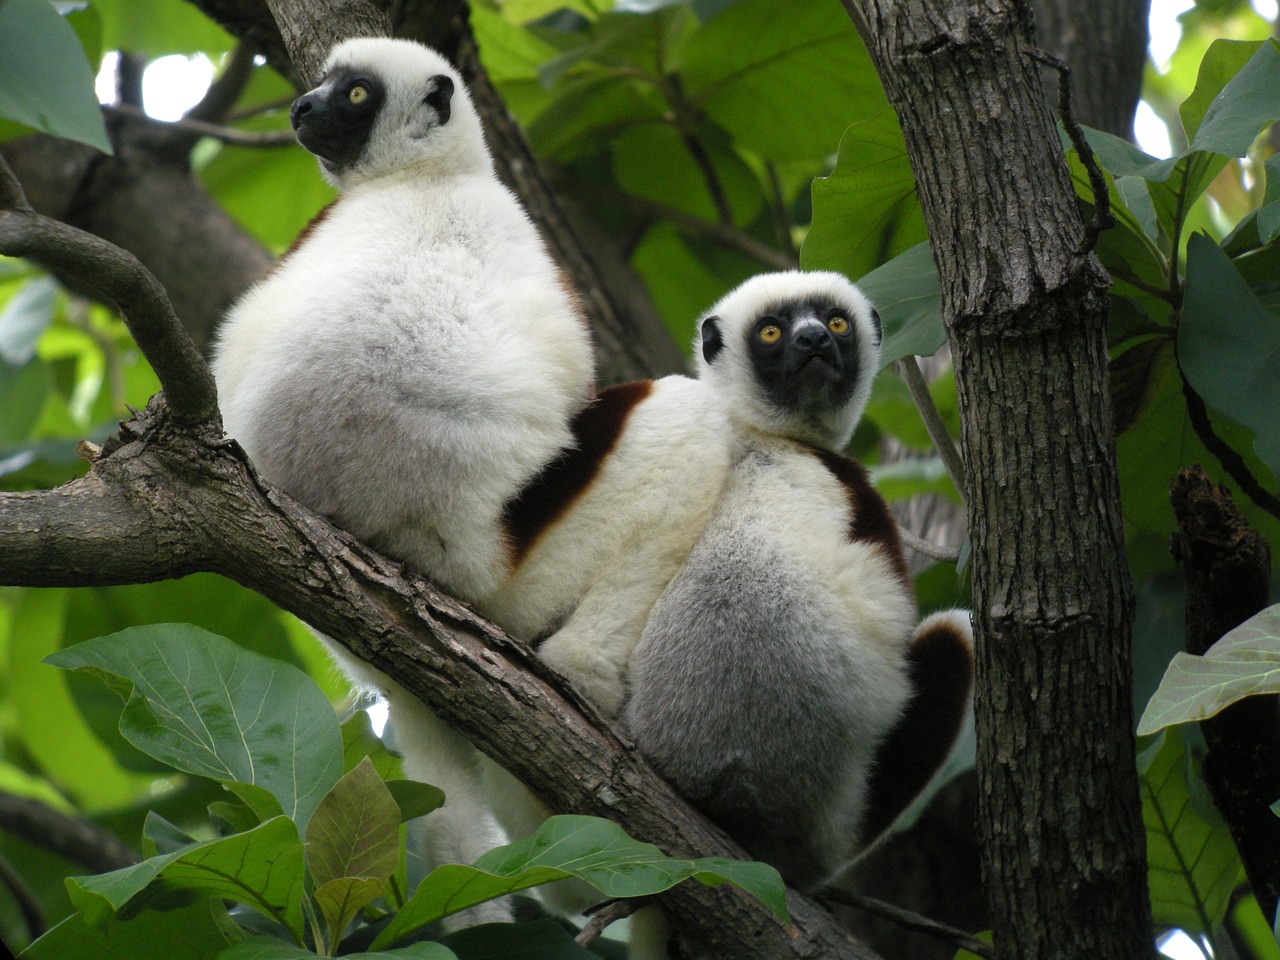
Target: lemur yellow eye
(358, 94)
(838, 324)
(770, 334)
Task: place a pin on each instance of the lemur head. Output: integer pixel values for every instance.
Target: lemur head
(793, 354)
(386, 106)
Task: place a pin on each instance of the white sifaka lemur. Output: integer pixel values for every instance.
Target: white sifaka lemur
(778, 683)
(412, 363)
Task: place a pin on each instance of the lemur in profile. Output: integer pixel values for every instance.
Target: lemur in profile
(779, 683)
(411, 364)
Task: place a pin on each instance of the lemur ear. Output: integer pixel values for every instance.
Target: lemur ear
(438, 99)
(712, 341)
(875, 322)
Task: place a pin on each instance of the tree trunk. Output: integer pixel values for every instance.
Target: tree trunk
(1105, 44)
(1228, 570)
(1026, 317)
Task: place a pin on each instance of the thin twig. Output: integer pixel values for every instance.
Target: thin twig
(1231, 461)
(910, 920)
(230, 135)
(28, 903)
(603, 915)
(781, 215)
(909, 369)
(1103, 219)
(928, 548)
(226, 88)
(122, 279)
(728, 235)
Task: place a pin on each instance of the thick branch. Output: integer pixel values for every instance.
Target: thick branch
(1228, 568)
(122, 280)
(86, 843)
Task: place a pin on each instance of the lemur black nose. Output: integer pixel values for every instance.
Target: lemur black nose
(813, 339)
(301, 107)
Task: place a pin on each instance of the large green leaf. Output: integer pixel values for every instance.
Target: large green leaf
(206, 706)
(786, 92)
(195, 932)
(1220, 63)
(1191, 860)
(866, 211)
(261, 869)
(51, 726)
(654, 161)
(905, 292)
(45, 81)
(1229, 346)
(588, 848)
(1246, 104)
(354, 830)
(1244, 663)
(159, 28)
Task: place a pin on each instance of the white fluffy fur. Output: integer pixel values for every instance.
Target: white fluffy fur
(774, 664)
(408, 368)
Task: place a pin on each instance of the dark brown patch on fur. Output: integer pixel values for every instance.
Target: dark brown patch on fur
(595, 431)
(872, 520)
(941, 665)
(301, 238)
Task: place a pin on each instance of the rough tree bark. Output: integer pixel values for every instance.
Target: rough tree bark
(1026, 316)
(1227, 565)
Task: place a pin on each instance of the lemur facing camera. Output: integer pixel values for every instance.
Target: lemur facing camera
(778, 683)
(411, 363)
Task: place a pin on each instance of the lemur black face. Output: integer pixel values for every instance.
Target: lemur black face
(335, 119)
(805, 355)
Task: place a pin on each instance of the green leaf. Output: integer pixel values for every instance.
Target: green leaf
(785, 93)
(1191, 860)
(866, 211)
(45, 80)
(273, 194)
(353, 832)
(359, 741)
(1245, 105)
(51, 726)
(24, 318)
(1244, 663)
(591, 849)
(261, 869)
(1269, 214)
(341, 899)
(905, 293)
(265, 948)
(206, 706)
(911, 477)
(159, 836)
(1229, 346)
(415, 799)
(195, 932)
(1220, 63)
(653, 161)
(157, 29)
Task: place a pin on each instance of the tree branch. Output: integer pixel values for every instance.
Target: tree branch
(909, 368)
(202, 128)
(910, 920)
(122, 280)
(86, 843)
